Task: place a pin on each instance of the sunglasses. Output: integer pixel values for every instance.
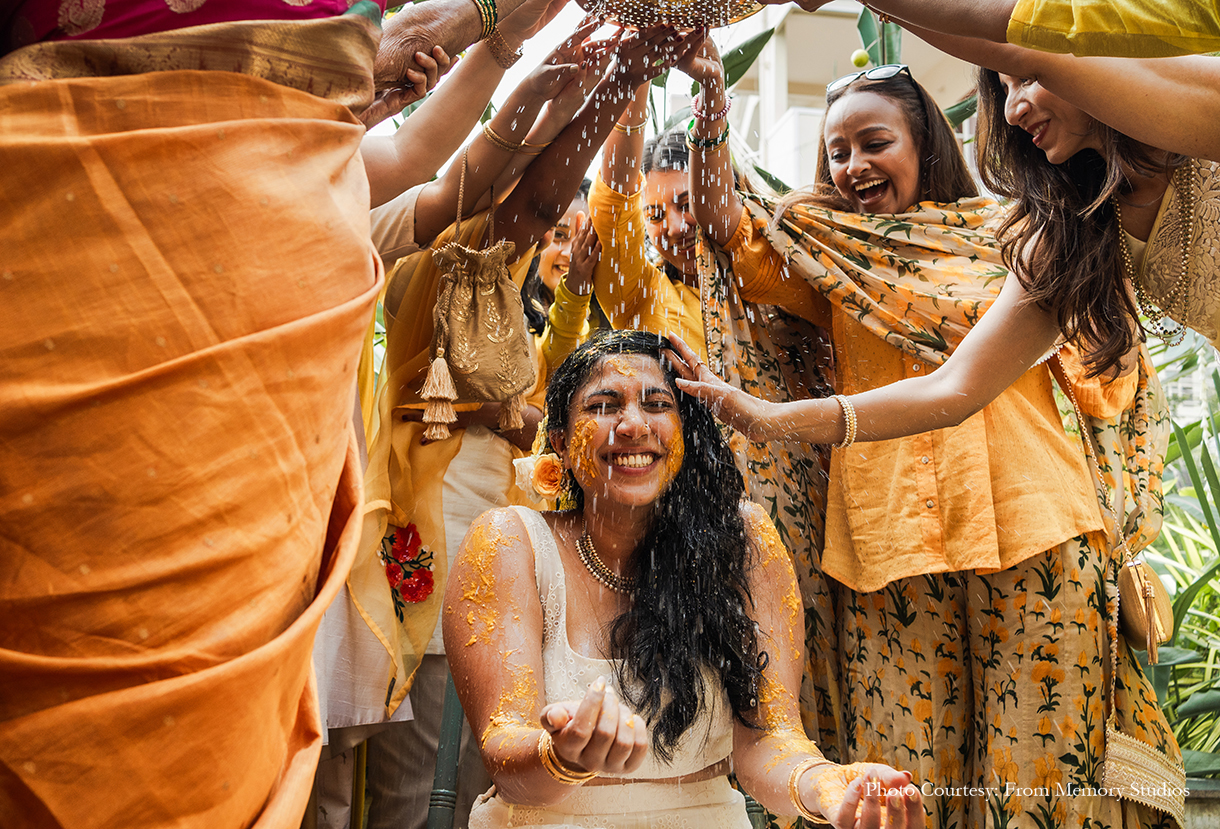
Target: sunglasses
(877, 73)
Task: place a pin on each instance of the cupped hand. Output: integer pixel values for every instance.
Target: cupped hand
(642, 54)
(702, 63)
(548, 80)
(747, 414)
(586, 250)
(418, 80)
(869, 796)
(597, 733)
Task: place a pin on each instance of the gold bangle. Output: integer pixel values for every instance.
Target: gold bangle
(533, 149)
(503, 54)
(632, 129)
(496, 141)
(555, 767)
(794, 791)
(849, 416)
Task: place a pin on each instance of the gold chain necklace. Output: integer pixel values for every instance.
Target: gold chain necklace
(594, 564)
(1184, 180)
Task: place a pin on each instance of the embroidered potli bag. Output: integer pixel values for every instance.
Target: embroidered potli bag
(480, 343)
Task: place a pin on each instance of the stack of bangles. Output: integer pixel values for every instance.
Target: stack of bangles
(555, 767)
(495, 140)
(694, 142)
(632, 129)
(850, 422)
(794, 789)
(488, 15)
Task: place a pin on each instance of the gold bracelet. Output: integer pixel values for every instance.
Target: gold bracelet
(555, 767)
(533, 149)
(794, 790)
(849, 416)
(496, 141)
(632, 129)
(503, 54)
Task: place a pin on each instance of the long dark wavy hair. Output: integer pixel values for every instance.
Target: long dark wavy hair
(943, 174)
(1061, 236)
(690, 613)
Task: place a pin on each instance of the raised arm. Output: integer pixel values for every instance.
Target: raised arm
(714, 200)
(493, 635)
(766, 758)
(1010, 338)
(547, 188)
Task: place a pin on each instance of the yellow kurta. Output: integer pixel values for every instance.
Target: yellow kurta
(1006, 484)
(1119, 28)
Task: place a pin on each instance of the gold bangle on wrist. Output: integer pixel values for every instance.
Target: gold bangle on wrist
(794, 790)
(488, 17)
(503, 54)
(555, 767)
(632, 129)
(533, 149)
(496, 141)
(849, 417)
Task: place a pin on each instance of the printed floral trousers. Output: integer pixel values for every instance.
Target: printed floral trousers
(993, 691)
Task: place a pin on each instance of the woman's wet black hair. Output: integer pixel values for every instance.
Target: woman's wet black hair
(689, 620)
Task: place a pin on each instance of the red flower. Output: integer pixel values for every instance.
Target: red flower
(418, 587)
(406, 543)
(394, 573)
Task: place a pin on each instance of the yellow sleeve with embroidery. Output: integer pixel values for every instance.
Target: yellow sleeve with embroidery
(1118, 28)
(567, 325)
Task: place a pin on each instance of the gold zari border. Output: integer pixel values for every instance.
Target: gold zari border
(1138, 772)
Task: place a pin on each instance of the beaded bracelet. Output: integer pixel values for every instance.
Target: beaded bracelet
(496, 141)
(632, 129)
(849, 416)
(555, 767)
(488, 15)
(794, 790)
(503, 54)
(704, 115)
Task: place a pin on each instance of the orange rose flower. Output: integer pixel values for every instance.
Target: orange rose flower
(547, 479)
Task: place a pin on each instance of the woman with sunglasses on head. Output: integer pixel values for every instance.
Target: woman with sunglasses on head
(961, 548)
(620, 656)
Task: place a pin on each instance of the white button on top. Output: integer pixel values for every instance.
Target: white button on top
(925, 459)
(930, 503)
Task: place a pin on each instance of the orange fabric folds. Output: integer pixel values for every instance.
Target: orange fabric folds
(186, 280)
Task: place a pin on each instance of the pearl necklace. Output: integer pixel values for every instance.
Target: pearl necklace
(1184, 180)
(594, 564)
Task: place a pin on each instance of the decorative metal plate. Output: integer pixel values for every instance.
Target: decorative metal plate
(686, 14)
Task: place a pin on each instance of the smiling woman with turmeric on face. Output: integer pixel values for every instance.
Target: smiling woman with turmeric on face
(659, 623)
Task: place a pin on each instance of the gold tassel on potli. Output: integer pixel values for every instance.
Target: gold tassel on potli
(439, 393)
(511, 413)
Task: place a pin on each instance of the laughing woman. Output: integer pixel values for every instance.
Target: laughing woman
(656, 644)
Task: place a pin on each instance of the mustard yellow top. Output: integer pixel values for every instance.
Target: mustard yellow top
(1119, 28)
(635, 293)
(567, 325)
(1006, 484)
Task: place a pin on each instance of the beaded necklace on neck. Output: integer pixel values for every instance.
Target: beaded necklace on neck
(594, 564)
(1156, 313)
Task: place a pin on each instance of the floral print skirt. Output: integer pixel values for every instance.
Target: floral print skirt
(993, 691)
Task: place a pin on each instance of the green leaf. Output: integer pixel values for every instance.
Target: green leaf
(1200, 703)
(487, 113)
(891, 41)
(661, 80)
(870, 39)
(772, 181)
(739, 60)
(1176, 656)
(1201, 762)
(678, 117)
(1181, 605)
(956, 113)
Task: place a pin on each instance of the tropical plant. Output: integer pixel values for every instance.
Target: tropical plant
(1186, 555)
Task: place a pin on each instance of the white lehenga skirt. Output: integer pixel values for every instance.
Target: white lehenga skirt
(708, 803)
